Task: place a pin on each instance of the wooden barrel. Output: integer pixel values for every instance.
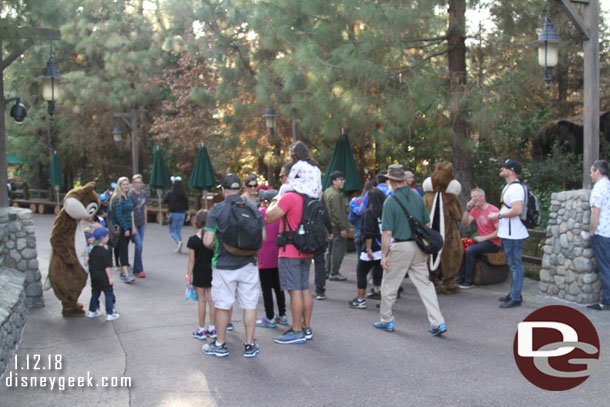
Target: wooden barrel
(56, 209)
(40, 209)
(33, 208)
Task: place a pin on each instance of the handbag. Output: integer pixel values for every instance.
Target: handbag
(429, 240)
(114, 234)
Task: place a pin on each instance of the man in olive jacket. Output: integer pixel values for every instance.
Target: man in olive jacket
(340, 225)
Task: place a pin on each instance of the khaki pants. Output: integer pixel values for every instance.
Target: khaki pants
(406, 257)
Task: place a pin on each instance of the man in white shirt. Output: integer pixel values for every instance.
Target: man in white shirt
(599, 228)
(511, 229)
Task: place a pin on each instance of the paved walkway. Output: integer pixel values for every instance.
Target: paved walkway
(347, 363)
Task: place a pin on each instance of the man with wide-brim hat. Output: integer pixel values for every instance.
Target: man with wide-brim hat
(404, 255)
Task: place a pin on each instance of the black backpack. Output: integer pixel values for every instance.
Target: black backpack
(244, 235)
(531, 216)
(310, 236)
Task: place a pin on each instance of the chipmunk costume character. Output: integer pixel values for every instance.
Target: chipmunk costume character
(441, 192)
(67, 267)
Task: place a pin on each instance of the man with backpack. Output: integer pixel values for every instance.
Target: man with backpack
(511, 228)
(302, 234)
(235, 229)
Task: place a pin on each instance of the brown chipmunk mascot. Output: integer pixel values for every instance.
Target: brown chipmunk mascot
(441, 192)
(67, 267)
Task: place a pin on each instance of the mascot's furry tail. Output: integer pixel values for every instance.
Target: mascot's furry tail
(438, 223)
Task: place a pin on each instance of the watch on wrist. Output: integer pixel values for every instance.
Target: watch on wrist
(499, 216)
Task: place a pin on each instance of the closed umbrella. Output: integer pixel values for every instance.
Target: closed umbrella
(159, 178)
(343, 160)
(203, 174)
(57, 178)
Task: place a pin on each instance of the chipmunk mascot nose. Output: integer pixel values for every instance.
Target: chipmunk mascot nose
(441, 192)
(68, 264)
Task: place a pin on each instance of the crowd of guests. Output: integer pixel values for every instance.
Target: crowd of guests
(384, 240)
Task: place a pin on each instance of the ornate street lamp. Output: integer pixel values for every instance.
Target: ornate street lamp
(51, 80)
(116, 134)
(270, 119)
(548, 48)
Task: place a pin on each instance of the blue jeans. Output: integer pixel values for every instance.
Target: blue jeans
(95, 296)
(466, 274)
(175, 226)
(137, 252)
(601, 250)
(512, 252)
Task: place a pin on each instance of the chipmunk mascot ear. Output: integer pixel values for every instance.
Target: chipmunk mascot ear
(67, 267)
(441, 198)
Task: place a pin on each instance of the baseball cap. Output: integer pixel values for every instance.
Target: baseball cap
(100, 233)
(231, 181)
(512, 165)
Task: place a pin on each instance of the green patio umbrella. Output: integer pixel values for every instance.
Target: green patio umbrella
(343, 160)
(202, 177)
(159, 178)
(57, 178)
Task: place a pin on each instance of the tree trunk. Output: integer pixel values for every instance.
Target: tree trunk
(458, 106)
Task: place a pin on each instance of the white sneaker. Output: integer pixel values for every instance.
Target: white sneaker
(179, 248)
(95, 314)
(112, 317)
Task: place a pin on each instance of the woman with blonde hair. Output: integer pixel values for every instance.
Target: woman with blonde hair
(122, 215)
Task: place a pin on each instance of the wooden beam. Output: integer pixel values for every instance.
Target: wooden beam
(575, 17)
(15, 54)
(39, 33)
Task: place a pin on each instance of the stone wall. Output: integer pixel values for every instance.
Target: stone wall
(18, 251)
(12, 313)
(20, 286)
(568, 265)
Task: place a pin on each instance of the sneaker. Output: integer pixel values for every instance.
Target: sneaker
(95, 314)
(281, 319)
(230, 327)
(441, 329)
(374, 295)
(251, 350)
(210, 334)
(290, 336)
(198, 334)
(128, 278)
(216, 350)
(599, 307)
(357, 303)
(264, 322)
(337, 277)
(112, 317)
(321, 297)
(387, 326)
(141, 274)
(308, 333)
(465, 286)
(178, 248)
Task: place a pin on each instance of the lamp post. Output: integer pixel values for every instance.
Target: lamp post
(547, 45)
(270, 120)
(131, 120)
(51, 81)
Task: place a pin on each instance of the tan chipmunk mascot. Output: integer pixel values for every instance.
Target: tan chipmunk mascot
(68, 264)
(441, 192)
